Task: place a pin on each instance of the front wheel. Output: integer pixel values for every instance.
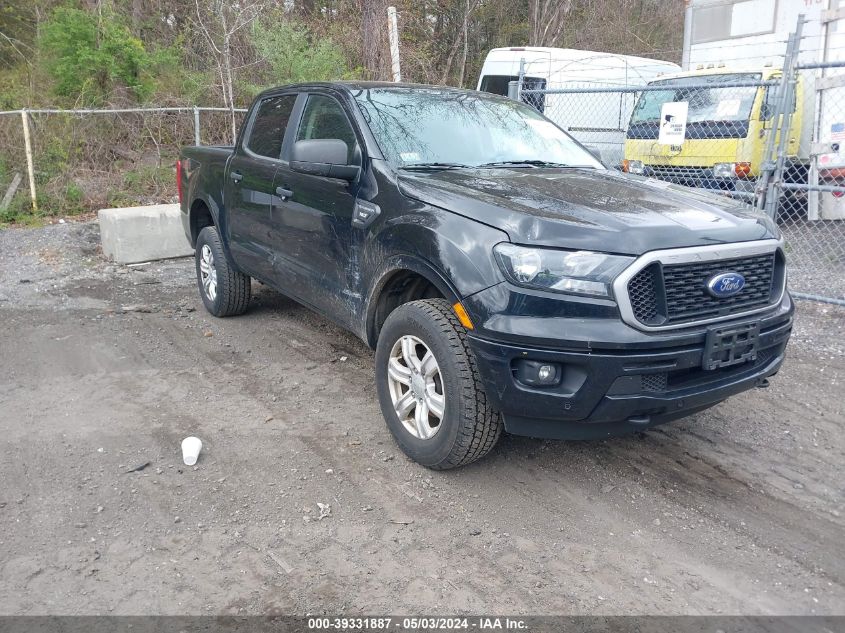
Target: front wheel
(224, 291)
(429, 389)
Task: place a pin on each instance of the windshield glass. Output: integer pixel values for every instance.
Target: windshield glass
(418, 126)
(707, 101)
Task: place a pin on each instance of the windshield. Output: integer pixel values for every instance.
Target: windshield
(424, 126)
(707, 101)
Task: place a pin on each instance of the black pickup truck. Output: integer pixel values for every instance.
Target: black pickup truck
(505, 278)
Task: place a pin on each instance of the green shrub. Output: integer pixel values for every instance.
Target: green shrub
(18, 211)
(293, 55)
(89, 56)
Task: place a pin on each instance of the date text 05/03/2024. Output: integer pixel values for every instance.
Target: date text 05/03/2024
(416, 623)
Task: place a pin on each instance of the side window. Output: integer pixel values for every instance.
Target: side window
(770, 104)
(767, 110)
(324, 118)
(268, 129)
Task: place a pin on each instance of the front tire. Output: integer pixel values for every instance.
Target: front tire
(224, 291)
(429, 388)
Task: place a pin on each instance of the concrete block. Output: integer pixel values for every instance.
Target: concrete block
(142, 234)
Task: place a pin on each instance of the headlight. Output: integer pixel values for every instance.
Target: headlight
(634, 167)
(724, 170)
(577, 272)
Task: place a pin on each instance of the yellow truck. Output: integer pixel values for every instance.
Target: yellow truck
(728, 124)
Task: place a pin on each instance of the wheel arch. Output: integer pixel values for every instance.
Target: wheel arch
(200, 216)
(401, 280)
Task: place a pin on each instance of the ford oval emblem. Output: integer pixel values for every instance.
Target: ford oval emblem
(725, 285)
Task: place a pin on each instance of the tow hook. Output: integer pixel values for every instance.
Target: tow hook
(763, 383)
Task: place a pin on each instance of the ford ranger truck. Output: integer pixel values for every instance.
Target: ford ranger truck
(504, 277)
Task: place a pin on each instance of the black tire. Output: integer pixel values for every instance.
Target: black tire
(470, 426)
(233, 289)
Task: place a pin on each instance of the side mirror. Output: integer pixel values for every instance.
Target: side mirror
(323, 157)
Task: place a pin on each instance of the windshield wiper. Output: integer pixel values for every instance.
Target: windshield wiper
(528, 163)
(424, 166)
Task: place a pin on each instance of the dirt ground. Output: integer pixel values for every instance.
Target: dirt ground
(104, 369)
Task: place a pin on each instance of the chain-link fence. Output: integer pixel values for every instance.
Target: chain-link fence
(768, 138)
(78, 160)
(771, 138)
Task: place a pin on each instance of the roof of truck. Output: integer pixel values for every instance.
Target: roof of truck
(353, 85)
(364, 85)
(766, 72)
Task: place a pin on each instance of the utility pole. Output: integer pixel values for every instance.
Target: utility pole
(393, 33)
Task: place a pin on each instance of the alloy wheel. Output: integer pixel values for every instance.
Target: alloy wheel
(416, 387)
(208, 273)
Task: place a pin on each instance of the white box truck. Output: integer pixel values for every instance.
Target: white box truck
(597, 119)
(753, 34)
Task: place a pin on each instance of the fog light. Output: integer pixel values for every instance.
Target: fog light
(536, 374)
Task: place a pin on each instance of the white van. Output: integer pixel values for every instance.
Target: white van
(597, 119)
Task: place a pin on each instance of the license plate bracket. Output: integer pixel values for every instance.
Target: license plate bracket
(730, 345)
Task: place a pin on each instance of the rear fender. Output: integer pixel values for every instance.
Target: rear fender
(218, 216)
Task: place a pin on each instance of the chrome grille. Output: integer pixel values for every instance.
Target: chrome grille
(668, 289)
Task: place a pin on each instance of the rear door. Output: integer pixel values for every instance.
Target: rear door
(249, 191)
(312, 228)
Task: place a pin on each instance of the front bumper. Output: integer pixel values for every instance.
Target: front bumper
(617, 380)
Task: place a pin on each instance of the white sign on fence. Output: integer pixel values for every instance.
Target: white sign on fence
(673, 123)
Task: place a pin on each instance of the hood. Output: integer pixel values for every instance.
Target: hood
(589, 209)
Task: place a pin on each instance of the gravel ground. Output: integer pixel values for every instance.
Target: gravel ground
(106, 368)
(816, 252)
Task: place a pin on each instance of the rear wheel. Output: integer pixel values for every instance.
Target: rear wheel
(429, 389)
(224, 291)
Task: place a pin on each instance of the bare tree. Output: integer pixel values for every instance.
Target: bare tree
(220, 21)
(461, 41)
(374, 38)
(545, 21)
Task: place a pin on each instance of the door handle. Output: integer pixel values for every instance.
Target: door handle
(235, 176)
(284, 194)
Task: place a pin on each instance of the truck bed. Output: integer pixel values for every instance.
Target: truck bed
(205, 169)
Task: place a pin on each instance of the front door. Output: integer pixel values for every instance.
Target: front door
(314, 225)
(249, 191)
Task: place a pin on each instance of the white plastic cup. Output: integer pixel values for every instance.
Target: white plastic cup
(191, 447)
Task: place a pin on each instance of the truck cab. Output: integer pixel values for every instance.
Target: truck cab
(730, 119)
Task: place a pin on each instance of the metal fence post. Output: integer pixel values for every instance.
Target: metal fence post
(775, 162)
(521, 79)
(29, 166)
(197, 140)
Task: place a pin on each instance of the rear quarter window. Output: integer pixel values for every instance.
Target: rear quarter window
(268, 128)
